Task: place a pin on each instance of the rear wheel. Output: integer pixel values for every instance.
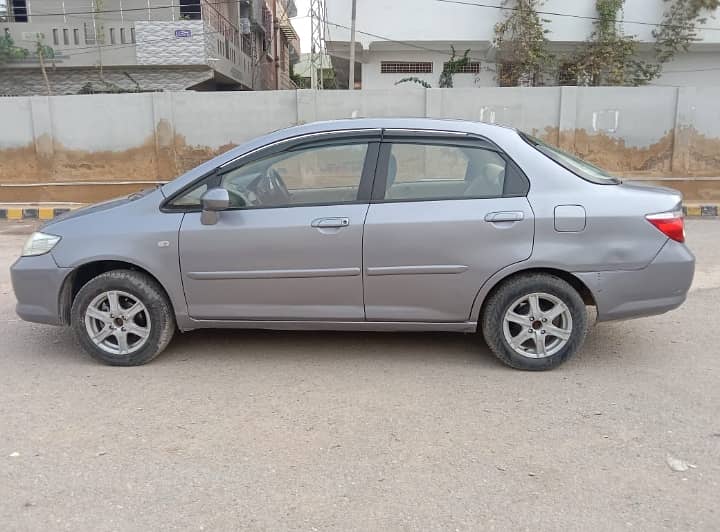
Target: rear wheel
(123, 318)
(534, 322)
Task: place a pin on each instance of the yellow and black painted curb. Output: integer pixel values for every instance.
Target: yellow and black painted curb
(708, 210)
(31, 213)
(48, 213)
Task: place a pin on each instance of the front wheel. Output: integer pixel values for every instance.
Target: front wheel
(123, 318)
(534, 322)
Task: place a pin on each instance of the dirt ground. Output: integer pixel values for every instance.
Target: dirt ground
(357, 431)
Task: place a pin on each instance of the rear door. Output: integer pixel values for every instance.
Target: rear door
(446, 213)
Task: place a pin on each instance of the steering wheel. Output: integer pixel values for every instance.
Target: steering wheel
(270, 189)
(277, 185)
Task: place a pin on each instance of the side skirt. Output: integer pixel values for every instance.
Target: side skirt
(466, 327)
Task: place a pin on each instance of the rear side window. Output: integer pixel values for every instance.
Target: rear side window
(579, 167)
(417, 171)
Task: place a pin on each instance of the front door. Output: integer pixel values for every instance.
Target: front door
(290, 248)
(446, 215)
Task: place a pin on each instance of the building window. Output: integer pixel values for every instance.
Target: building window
(190, 10)
(267, 19)
(406, 67)
(76, 36)
(132, 35)
(472, 67)
(123, 40)
(89, 34)
(56, 36)
(19, 10)
(112, 35)
(66, 37)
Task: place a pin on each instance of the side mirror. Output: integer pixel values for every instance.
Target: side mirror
(213, 201)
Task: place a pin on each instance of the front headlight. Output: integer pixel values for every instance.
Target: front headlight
(39, 243)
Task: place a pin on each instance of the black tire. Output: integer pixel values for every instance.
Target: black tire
(144, 289)
(499, 302)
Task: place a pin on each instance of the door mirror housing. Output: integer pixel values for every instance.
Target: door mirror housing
(213, 201)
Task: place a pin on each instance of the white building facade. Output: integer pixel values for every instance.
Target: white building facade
(397, 39)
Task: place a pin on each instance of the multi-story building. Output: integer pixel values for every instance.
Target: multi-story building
(412, 38)
(285, 43)
(111, 45)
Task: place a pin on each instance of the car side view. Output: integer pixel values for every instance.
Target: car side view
(365, 224)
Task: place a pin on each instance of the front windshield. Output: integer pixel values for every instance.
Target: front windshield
(581, 168)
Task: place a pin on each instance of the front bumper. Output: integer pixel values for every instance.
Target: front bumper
(37, 282)
(661, 286)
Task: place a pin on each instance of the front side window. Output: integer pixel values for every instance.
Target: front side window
(422, 172)
(303, 176)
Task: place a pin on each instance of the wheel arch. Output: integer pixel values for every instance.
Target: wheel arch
(501, 277)
(83, 273)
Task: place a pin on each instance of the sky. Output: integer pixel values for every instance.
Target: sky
(301, 23)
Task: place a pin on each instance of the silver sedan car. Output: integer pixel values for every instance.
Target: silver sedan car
(366, 224)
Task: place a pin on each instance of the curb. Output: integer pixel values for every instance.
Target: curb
(702, 210)
(32, 213)
(48, 213)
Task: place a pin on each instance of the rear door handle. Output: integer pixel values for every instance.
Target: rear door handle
(330, 222)
(505, 216)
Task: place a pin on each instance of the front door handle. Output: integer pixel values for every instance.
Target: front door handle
(330, 222)
(505, 216)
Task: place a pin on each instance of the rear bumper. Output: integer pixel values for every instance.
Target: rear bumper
(37, 282)
(661, 286)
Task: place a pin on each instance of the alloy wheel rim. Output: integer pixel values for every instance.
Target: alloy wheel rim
(117, 322)
(537, 325)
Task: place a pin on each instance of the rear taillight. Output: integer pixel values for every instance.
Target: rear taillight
(670, 223)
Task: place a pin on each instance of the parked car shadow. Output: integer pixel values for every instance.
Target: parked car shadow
(602, 347)
(328, 345)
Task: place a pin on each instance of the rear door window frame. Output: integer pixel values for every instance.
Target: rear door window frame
(441, 138)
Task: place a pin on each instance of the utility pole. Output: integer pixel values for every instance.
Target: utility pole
(351, 79)
(276, 41)
(98, 6)
(317, 48)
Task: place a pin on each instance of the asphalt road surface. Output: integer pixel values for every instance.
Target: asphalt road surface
(350, 431)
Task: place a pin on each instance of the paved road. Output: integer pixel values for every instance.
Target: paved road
(329, 431)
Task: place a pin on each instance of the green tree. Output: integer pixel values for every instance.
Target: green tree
(678, 30)
(10, 52)
(450, 68)
(522, 44)
(610, 57)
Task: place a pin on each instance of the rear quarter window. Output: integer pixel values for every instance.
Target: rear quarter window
(579, 167)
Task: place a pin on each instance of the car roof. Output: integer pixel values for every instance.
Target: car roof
(443, 124)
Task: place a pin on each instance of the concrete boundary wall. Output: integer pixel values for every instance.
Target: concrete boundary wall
(87, 148)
